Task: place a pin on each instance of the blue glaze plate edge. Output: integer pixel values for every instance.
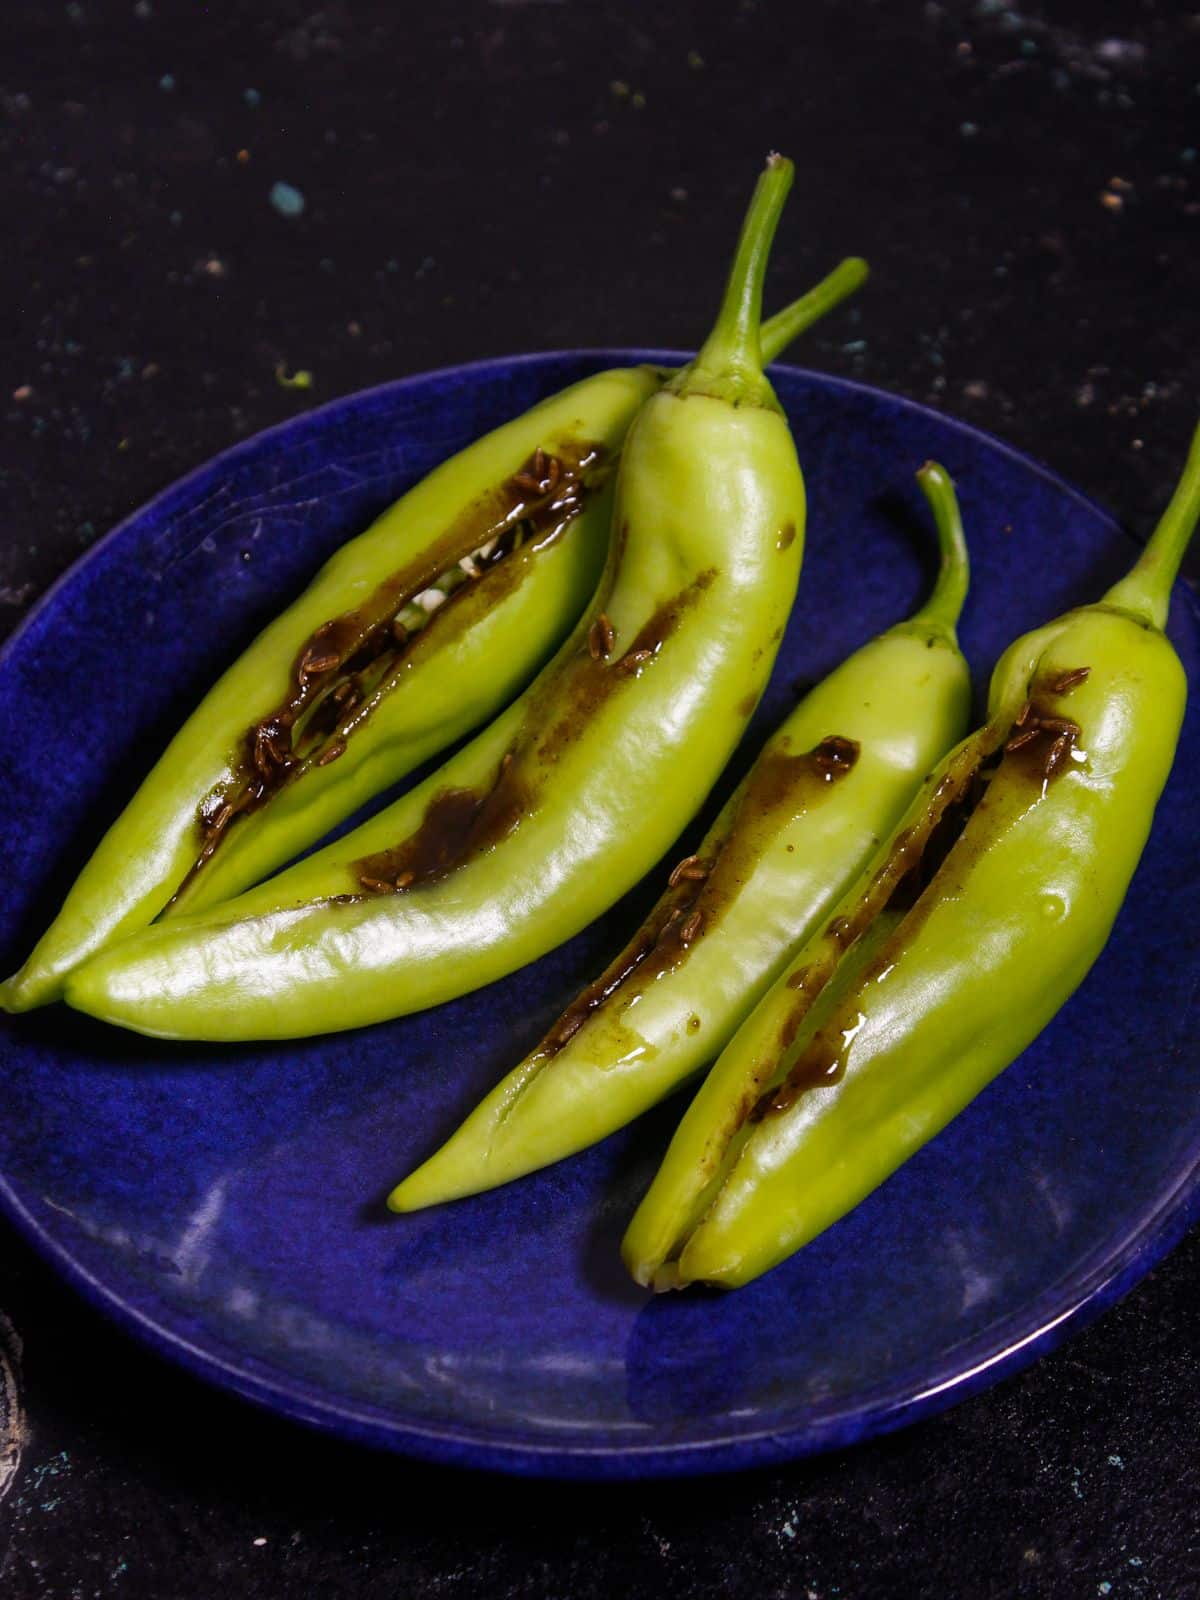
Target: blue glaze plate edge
(1062, 1308)
(979, 1366)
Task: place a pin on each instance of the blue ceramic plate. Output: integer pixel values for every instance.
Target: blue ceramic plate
(225, 1204)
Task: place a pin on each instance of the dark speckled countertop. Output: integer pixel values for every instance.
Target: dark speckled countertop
(218, 215)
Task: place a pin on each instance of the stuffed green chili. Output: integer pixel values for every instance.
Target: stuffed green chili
(948, 958)
(413, 634)
(575, 791)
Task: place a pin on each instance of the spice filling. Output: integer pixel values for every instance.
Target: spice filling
(349, 664)
(701, 887)
(1037, 746)
(460, 824)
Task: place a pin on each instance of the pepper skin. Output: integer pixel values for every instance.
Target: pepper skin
(360, 728)
(899, 1014)
(828, 787)
(548, 816)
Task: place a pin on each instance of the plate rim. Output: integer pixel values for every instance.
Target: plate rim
(299, 1402)
(970, 1367)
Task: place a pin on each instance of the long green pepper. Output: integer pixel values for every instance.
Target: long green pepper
(574, 792)
(827, 787)
(413, 634)
(917, 994)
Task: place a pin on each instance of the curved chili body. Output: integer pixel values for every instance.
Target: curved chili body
(577, 789)
(827, 788)
(453, 678)
(876, 1037)
(413, 634)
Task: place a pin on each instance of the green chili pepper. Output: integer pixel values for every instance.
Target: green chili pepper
(942, 964)
(413, 634)
(828, 786)
(575, 791)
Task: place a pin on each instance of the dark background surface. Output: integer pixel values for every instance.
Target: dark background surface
(489, 178)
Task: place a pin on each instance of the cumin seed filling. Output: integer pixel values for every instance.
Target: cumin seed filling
(1037, 746)
(353, 661)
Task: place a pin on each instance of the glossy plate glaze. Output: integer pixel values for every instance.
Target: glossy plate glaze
(226, 1204)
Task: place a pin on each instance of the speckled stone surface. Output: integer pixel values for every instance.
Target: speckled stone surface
(1029, 205)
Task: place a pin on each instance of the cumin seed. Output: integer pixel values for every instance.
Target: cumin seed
(1070, 680)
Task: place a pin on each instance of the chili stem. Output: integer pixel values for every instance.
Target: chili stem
(778, 331)
(945, 604)
(730, 360)
(1146, 589)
